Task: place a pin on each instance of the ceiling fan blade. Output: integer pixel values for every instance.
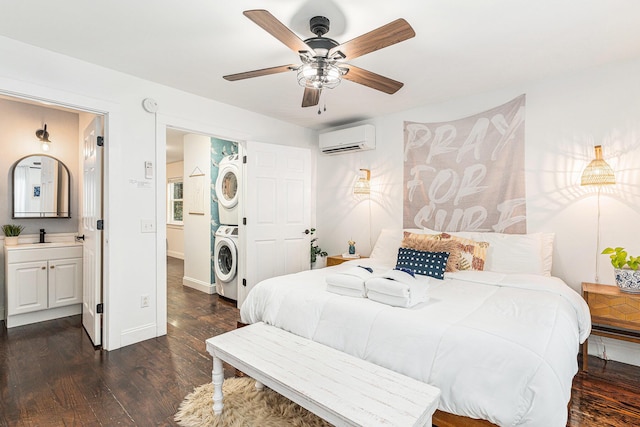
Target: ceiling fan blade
(277, 29)
(387, 35)
(372, 80)
(311, 97)
(261, 72)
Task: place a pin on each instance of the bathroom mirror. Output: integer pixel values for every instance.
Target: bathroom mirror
(41, 188)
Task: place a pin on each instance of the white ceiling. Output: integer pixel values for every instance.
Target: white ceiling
(461, 47)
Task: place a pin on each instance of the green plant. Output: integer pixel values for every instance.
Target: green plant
(12, 230)
(620, 258)
(316, 251)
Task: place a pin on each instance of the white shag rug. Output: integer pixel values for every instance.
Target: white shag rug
(244, 406)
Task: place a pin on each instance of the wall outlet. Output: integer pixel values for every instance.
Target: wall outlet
(144, 301)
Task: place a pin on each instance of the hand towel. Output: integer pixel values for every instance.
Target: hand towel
(397, 288)
(349, 282)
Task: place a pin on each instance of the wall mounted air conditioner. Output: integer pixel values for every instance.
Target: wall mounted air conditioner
(358, 138)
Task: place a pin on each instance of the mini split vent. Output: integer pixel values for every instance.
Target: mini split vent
(357, 138)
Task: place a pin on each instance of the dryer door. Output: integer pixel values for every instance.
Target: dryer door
(225, 259)
(227, 186)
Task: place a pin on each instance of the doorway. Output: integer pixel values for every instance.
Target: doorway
(192, 163)
(65, 143)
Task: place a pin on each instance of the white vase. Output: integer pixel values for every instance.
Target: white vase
(628, 280)
(321, 262)
(11, 240)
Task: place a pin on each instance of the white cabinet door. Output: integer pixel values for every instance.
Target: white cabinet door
(65, 282)
(27, 287)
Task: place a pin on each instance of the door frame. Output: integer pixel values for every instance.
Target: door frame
(113, 121)
(164, 121)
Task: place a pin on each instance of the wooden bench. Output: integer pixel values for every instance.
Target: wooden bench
(342, 389)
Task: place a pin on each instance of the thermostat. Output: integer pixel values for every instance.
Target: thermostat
(148, 170)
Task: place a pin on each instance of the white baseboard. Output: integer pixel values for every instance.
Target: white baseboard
(611, 349)
(43, 315)
(175, 254)
(137, 334)
(199, 285)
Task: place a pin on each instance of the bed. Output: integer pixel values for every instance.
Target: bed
(500, 345)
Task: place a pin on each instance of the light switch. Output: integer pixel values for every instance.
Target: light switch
(147, 226)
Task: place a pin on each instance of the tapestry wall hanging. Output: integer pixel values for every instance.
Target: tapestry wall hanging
(467, 174)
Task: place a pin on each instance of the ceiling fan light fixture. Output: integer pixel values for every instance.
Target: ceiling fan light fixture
(319, 75)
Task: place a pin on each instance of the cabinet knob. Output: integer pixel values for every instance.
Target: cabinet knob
(43, 267)
(53, 266)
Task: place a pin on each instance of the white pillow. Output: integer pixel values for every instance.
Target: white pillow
(386, 247)
(547, 252)
(388, 243)
(514, 253)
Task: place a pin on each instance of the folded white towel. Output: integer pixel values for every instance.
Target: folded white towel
(340, 290)
(349, 282)
(401, 288)
(404, 302)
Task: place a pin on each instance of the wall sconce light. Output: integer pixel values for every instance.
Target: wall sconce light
(598, 173)
(43, 136)
(362, 184)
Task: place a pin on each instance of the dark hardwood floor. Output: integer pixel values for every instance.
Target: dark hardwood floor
(50, 374)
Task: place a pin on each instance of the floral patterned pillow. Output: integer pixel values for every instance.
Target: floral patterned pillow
(473, 254)
(434, 243)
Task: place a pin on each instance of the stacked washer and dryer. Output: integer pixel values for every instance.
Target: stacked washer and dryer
(226, 247)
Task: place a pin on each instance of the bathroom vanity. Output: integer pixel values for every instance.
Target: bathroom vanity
(43, 281)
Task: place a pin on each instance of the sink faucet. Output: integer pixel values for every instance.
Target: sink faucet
(42, 233)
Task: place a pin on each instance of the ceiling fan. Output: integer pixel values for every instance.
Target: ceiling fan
(322, 58)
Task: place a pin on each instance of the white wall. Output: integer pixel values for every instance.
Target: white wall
(175, 233)
(134, 261)
(197, 227)
(565, 118)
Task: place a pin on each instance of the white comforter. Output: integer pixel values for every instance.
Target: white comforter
(500, 347)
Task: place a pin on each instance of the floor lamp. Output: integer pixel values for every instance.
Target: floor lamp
(598, 173)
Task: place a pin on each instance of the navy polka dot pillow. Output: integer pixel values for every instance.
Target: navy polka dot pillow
(421, 262)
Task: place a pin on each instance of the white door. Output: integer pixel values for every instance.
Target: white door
(277, 208)
(91, 212)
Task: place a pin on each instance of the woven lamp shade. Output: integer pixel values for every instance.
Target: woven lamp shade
(362, 185)
(598, 172)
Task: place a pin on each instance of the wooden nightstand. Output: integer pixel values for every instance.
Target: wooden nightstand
(614, 314)
(339, 259)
